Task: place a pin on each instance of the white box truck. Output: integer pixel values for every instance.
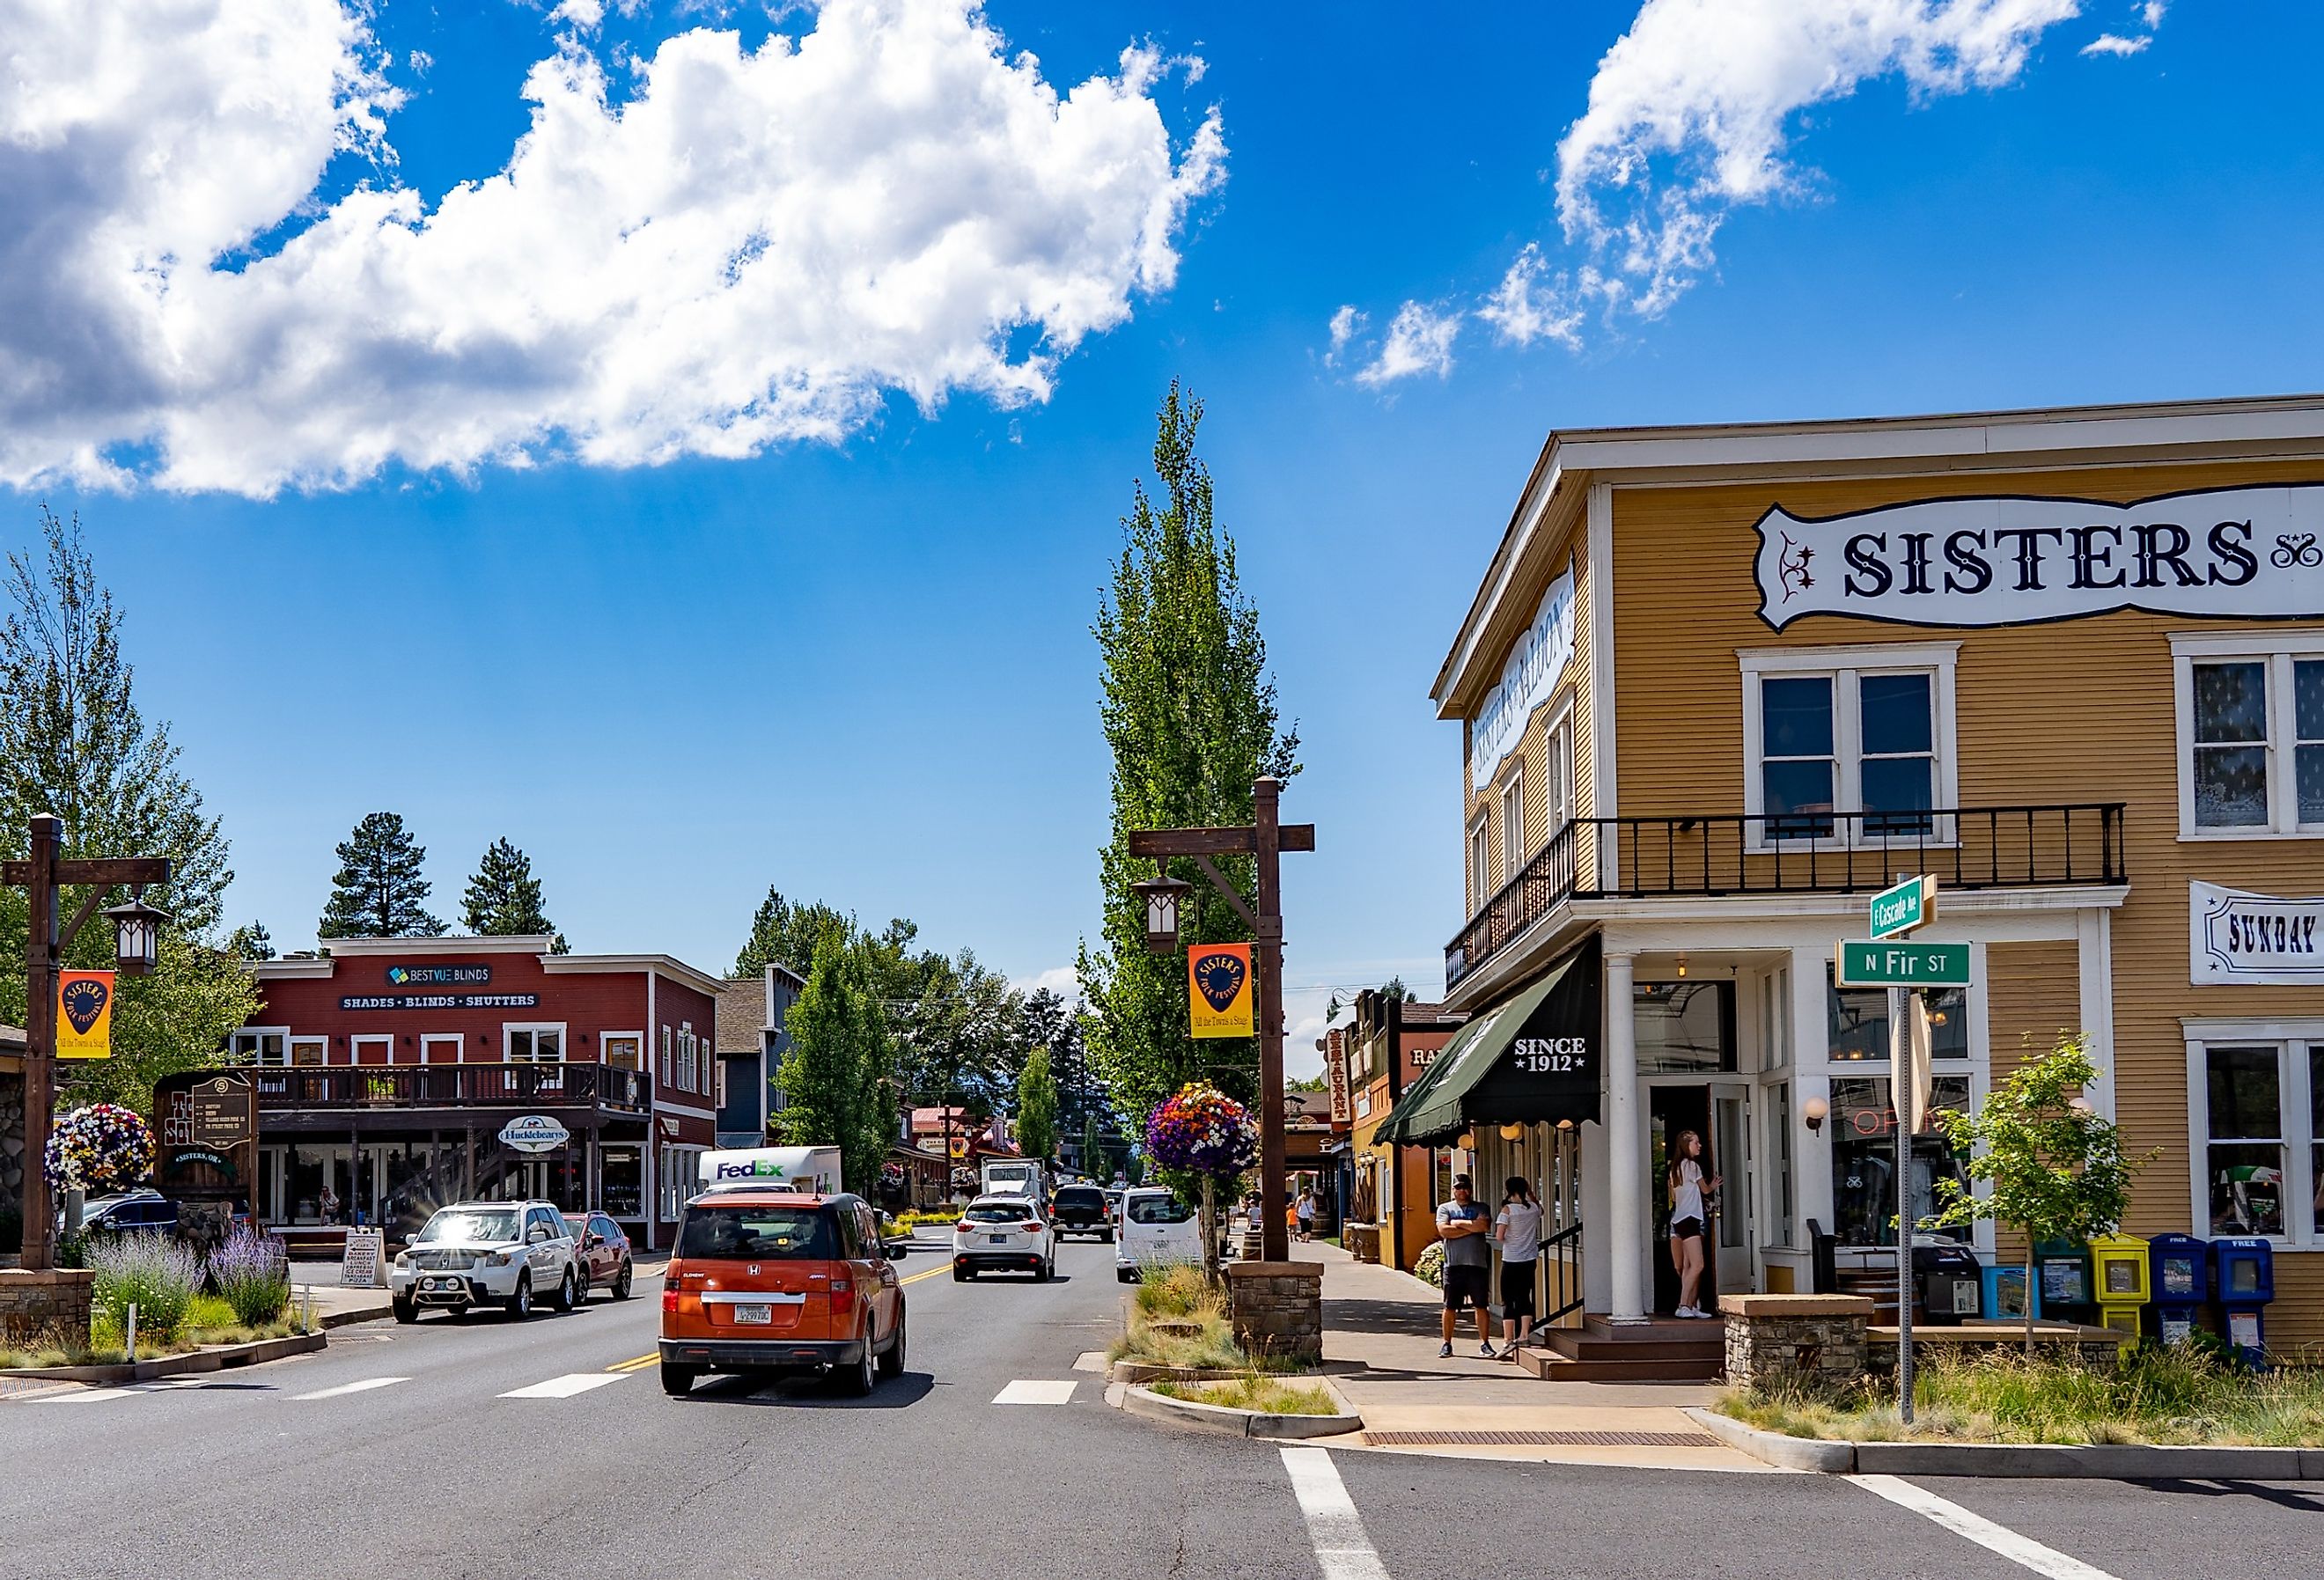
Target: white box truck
(814, 1169)
(1014, 1176)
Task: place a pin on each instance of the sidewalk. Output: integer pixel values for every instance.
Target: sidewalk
(1381, 1332)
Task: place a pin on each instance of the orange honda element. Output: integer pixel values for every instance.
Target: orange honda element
(772, 1280)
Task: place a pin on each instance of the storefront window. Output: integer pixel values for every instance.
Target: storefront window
(621, 1182)
(2244, 1158)
(1859, 1021)
(1864, 1159)
(1779, 1125)
(1683, 1026)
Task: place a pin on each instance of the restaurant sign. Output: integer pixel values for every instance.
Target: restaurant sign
(2239, 937)
(2234, 553)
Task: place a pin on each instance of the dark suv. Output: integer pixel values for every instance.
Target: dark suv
(1080, 1209)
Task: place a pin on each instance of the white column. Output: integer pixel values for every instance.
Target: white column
(1627, 1227)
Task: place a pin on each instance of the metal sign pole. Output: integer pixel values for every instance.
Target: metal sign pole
(1904, 1094)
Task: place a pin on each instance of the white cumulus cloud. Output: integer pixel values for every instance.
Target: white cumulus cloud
(2115, 43)
(1693, 112)
(720, 250)
(1419, 340)
(1532, 304)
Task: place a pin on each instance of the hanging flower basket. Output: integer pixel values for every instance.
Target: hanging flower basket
(101, 1148)
(1202, 1130)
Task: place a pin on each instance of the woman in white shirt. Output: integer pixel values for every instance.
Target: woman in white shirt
(1688, 1215)
(1518, 1229)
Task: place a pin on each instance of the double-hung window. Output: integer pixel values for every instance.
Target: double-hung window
(1852, 743)
(2251, 735)
(2255, 1124)
(1513, 822)
(1480, 861)
(1557, 777)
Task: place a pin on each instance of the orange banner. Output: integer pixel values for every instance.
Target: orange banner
(85, 1014)
(1218, 990)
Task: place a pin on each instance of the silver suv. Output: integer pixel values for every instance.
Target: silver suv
(507, 1253)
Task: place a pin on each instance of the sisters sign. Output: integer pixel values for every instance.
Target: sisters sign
(2242, 553)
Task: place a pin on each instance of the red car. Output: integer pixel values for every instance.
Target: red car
(602, 1252)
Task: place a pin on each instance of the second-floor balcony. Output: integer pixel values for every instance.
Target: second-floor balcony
(1801, 853)
(549, 1085)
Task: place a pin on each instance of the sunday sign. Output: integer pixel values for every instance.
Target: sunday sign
(2246, 553)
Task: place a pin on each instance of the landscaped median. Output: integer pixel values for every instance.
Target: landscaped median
(2156, 1411)
(1178, 1360)
(1251, 1406)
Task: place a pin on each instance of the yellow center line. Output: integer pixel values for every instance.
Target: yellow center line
(633, 1365)
(916, 1278)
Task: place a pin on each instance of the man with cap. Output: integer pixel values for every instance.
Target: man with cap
(1466, 1229)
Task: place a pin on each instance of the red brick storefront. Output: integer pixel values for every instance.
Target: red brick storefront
(386, 1073)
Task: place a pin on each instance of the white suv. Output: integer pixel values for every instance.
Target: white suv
(503, 1252)
(998, 1234)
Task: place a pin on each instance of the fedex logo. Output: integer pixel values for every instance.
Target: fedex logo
(756, 1168)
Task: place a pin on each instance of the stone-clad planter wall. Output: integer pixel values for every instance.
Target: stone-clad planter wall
(48, 1308)
(1278, 1308)
(1773, 1339)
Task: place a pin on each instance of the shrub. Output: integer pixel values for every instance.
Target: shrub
(1430, 1268)
(152, 1272)
(252, 1271)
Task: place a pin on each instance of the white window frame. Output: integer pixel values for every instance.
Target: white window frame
(1480, 860)
(605, 1051)
(1557, 774)
(459, 1040)
(1514, 853)
(2291, 1038)
(1845, 666)
(260, 1032)
(2277, 651)
(357, 1039)
(291, 1045)
(509, 1029)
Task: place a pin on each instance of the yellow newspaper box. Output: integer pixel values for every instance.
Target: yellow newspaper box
(2118, 1265)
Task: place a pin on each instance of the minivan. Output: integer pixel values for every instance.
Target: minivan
(774, 1282)
(1157, 1229)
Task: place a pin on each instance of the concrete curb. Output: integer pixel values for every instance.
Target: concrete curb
(1154, 1371)
(2126, 1462)
(1773, 1447)
(219, 1358)
(1239, 1423)
(385, 1307)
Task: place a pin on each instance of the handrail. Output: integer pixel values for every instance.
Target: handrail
(1805, 851)
(461, 1086)
(1567, 1296)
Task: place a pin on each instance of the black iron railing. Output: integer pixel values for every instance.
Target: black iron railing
(1562, 1273)
(452, 1085)
(1798, 853)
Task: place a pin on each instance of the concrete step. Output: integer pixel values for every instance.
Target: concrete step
(1552, 1367)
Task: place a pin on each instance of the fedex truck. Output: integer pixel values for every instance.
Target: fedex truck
(813, 1169)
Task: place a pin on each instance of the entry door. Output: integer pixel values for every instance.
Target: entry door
(1730, 1159)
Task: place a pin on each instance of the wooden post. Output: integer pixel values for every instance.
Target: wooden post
(1274, 1236)
(39, 1247)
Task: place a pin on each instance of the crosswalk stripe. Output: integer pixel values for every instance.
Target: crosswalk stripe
(1342, 1550)
(361, 1385)
(566, 1386)
(2018, 1548)
(1028, 1392)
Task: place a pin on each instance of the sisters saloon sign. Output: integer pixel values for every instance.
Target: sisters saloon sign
(2237, 553)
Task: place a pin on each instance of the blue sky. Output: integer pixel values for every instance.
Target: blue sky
(847, 652)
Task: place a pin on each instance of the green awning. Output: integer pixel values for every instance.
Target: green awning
(1530, 1060)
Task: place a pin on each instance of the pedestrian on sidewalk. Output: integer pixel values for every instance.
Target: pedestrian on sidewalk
(1518, 1228)
(1465, 1227)
(1306, 1215)
(1688, 1215)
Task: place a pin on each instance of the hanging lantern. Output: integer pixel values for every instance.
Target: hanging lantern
(1510, 1133)
(137, 935)
(1161, 896)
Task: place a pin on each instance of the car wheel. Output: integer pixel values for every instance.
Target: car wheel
(1106, 1236)
(961, 1275)
(892, 1365)
(568, 1290)
(1127, 1275)
(622, 1280)
(519, 1304)
(1041, 1273)
(678, 1381)
(405, 1311)
(861, 1377)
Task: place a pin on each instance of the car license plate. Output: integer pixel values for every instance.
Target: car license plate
(761, 1315)
(998, 1239)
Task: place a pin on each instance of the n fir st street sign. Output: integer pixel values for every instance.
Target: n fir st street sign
(1901, 908)
(1879, 963)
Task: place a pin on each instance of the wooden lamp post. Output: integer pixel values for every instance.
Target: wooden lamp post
(1265, 839)
(136, 945)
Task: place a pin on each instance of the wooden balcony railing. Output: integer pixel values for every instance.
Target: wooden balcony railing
(1801, 853)
(452, 1085)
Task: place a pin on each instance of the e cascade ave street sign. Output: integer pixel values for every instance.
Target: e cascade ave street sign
(1877, 964)
(1901, 908)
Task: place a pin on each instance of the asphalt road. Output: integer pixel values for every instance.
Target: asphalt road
(320, 1466)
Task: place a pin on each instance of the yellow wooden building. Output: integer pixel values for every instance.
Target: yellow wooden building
(1719, 684)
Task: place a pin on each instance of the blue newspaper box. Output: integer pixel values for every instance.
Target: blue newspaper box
(2243, 1281)
(2004, 1293)
(2179, 1274)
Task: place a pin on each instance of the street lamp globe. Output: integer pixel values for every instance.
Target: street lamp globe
(1160, 896)
(136, 936)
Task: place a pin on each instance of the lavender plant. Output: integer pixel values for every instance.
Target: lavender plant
(153, 1273)
(252, 1271)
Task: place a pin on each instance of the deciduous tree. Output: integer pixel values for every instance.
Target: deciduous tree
(1036, 1107)
(785, 933)
(836, 1078)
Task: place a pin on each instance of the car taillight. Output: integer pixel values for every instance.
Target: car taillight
(841, 1287)
(668, 1302)
(963, 1227)
(1033, 1227)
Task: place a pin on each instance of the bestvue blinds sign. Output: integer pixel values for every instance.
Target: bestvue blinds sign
(2245, 553)
(2239, 937)
(432, 976)
(1527, 678)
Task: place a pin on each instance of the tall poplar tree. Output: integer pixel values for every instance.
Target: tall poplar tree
(1036, 1107)
(1190, 719)
(835, 1079)
(378, 891)
(502, 899)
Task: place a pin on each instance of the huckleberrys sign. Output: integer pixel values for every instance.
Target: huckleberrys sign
(2247, 553)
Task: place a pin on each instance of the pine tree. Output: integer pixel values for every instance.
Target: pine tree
(1190, 717)
(503, 899)
(378, 893)
(251, 943)
(785, 934)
